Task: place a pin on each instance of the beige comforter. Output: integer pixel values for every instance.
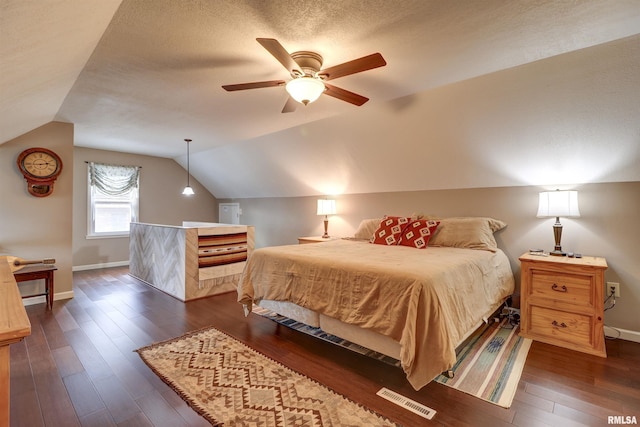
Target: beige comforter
(427, 300)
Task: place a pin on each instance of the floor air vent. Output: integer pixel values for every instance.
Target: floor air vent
(411, 405)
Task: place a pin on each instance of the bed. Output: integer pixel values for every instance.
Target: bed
(415, 305)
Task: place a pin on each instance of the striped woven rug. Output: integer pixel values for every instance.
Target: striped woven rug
(488, 366)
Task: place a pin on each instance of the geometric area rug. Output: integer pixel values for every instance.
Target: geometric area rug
(489, 362)
(229, 383)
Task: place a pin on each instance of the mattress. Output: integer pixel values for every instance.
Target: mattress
(426, 300)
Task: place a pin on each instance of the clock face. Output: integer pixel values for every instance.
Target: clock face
(40, 167)
(40, 164)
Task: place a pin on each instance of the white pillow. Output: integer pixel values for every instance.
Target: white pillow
(366, 228)
(467, 232)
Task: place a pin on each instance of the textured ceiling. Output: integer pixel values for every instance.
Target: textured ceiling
(139, 76)
(44, 46)
(143, 77)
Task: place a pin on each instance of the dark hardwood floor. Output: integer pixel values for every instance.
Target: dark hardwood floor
(78, 366)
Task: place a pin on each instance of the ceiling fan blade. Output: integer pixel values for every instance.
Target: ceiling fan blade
(280, 53)
(290, 105)
(344, 95)
(253, 85)
(365, 63)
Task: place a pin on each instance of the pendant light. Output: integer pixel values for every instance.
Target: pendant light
(188, 191)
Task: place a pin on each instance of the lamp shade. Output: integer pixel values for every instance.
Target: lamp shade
(305, 89)
(558, 204)
(326, 207)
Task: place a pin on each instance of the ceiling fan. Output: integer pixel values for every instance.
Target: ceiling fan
(308, 79)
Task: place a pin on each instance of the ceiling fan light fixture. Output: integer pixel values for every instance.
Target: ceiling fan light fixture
(305, 89)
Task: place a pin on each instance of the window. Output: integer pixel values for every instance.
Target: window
(113, 199)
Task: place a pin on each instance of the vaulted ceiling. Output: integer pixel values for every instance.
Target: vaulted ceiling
(139, 76)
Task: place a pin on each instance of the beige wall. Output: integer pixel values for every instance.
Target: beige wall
(56, 226)
(608, 225)
(38, 227)
(161, 202)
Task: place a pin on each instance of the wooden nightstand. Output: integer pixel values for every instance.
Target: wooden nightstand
(562, 301)
(314, 239)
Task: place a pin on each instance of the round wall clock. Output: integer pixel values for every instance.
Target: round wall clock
(40, 168)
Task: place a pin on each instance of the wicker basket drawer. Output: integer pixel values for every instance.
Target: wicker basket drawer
(222, 249)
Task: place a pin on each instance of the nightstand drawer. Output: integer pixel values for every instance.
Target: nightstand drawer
(569, 288)
(560, 326)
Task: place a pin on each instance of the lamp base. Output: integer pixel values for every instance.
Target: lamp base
(326, 228)
(557, 234)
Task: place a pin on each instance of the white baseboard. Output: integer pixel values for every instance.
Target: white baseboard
(101, 265)
(69, 294)
(623, 334)
(41, 299)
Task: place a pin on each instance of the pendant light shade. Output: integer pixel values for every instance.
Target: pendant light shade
(188, 191)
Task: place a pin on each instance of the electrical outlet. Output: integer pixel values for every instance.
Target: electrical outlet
(613, 288)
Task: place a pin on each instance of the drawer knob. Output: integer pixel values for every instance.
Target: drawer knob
(557, 288)
(559, 325)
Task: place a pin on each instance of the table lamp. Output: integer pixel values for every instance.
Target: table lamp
(556, 204)
(326, 207)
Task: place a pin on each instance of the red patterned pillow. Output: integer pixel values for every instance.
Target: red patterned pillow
(418, 233)
(389, 230)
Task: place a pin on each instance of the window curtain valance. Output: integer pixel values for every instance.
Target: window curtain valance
(113, 180)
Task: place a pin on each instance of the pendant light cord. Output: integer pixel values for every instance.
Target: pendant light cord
(188, 169)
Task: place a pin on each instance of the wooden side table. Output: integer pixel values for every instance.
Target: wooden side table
(36, 272)
(561, 301)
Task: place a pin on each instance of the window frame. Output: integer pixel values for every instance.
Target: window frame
(93, 196)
